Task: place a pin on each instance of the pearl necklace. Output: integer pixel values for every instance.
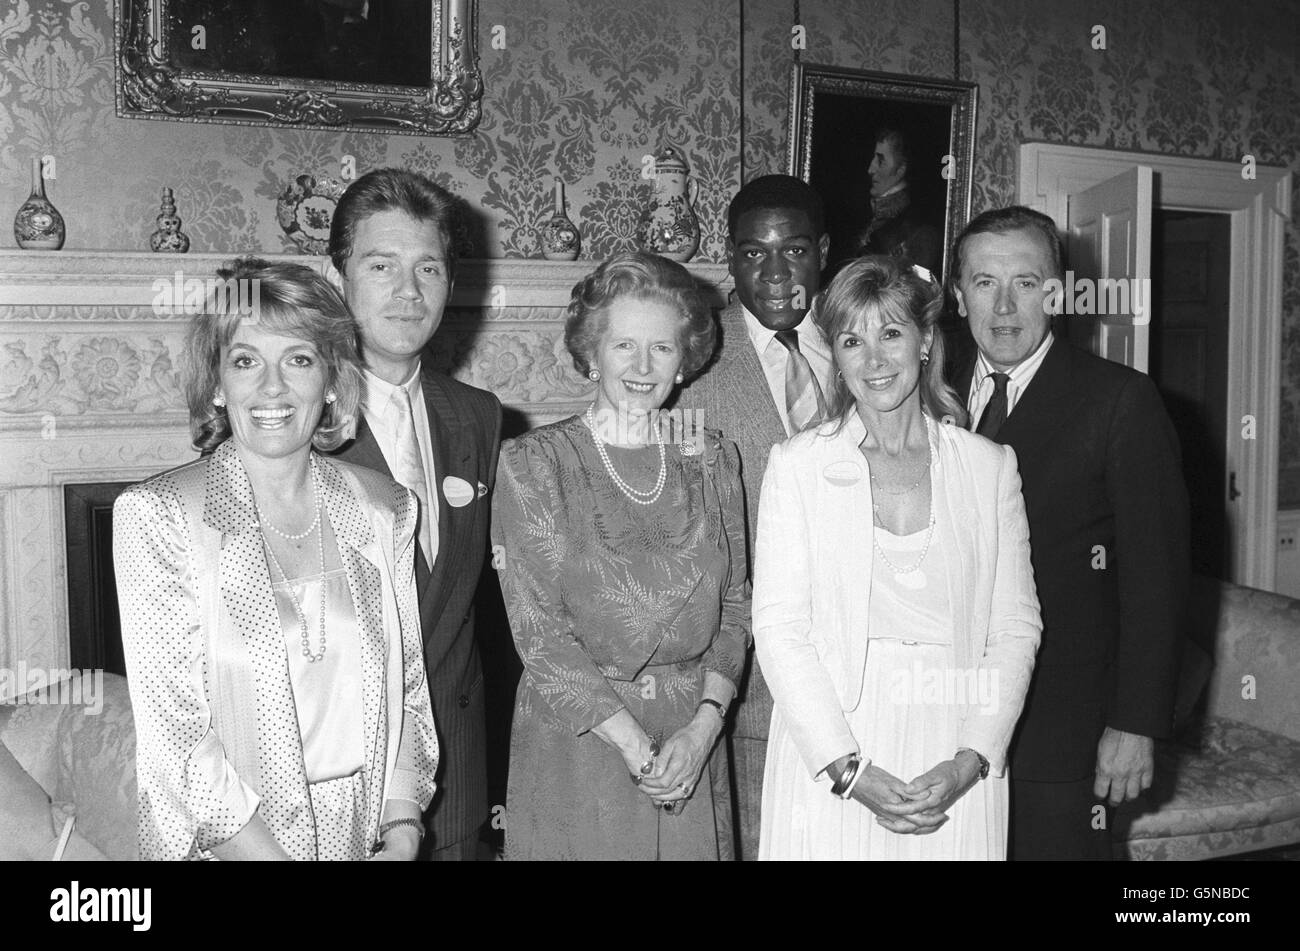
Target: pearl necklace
(929, 530)
(315, 497)
(293, 598)
(633, 495)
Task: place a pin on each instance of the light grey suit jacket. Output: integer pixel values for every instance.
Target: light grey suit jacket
(733, 395)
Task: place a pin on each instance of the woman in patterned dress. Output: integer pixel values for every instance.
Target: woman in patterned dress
(268, 602)
(620, 538)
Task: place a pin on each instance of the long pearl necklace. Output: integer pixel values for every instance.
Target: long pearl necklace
(929, 531)
(633, 495)
(293, 598)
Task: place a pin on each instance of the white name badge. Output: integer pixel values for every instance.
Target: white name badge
(458, 492)
(843, 473)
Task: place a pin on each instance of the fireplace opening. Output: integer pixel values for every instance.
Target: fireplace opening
(94, 627)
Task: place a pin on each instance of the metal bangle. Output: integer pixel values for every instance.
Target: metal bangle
(838, 787)
(391, 824)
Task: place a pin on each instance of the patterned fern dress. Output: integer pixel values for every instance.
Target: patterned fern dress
(616, 605)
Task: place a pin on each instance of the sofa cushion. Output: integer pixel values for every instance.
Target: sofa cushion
(1236, 790)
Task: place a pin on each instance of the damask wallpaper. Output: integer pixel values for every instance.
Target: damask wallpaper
(584, 88)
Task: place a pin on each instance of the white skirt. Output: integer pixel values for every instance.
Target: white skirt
(905, 732)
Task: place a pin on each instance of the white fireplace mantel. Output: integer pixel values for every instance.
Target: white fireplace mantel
(90, 390)
(126, 278)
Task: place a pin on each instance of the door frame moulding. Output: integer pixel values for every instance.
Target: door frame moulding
(1259, 210)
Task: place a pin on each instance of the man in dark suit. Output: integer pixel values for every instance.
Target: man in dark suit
(1107, 509)
(391, 254)
(766, 382)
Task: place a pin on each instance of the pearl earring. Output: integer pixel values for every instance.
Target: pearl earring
(925, 358)
(219, 401)
(594, 375)
(680, 378)
(330, 397)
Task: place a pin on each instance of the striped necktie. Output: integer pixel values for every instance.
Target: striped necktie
(803, 397)
(995, 414)
(409, 467)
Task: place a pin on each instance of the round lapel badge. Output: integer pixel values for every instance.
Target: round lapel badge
(843, 473)
(457, 491)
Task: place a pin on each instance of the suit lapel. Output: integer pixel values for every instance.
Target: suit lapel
(451, 455)
(741, 368)
(364, 449)
(1039, 409)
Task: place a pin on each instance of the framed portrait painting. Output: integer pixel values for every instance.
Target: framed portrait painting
(891, 157)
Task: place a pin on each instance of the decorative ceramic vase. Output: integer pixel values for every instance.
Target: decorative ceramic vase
(669, 226)
(560, 237)
(38, 226)
(169, 237)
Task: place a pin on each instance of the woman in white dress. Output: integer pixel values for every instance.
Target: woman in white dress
(895, 616)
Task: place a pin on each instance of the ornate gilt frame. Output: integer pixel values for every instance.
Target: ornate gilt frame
(150, 86)
(810, 82)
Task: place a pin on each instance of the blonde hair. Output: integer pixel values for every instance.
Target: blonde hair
(887, 285)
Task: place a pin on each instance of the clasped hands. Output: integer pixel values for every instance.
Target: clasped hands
(675, 772)
(921, 806)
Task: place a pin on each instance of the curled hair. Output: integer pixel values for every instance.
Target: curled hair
(642, 276)
(288, 299)
(879, 283)
(393, 189)
(893, 135)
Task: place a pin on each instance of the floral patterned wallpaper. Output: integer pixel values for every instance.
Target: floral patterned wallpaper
(585, 88)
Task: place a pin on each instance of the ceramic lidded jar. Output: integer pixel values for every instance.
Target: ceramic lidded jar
(38, 226)
(670, 227)
(559, 235)
(169, 237)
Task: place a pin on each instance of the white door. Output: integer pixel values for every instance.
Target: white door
(1107, 292)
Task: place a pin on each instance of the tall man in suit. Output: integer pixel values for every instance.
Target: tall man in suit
(1107, 508)
(767, 383)
(391, 255)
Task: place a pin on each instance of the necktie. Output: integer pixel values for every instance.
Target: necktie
(995, 414)
(803, 397)
(409, 469)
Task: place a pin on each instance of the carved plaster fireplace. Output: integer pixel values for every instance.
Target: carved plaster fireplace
(89, 395)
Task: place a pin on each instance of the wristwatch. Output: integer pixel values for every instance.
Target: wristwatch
(984, 763)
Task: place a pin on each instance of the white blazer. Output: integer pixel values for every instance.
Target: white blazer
(813, 562)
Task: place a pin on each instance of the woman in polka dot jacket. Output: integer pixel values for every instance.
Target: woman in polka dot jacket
(268, 601)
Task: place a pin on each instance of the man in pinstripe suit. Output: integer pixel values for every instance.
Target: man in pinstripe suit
(770, 372)
(392, 257)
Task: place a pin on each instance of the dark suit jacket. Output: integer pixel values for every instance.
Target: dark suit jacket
(466, 424)
(1100, 466)
(734, 397)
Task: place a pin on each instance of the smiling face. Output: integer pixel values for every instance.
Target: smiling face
(639, 355)
(274, 388)
(396, 283)
(880, 359)
(1002, 292)
(886, 169)
(776, 260)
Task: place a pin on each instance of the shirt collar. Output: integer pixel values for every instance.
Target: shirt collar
(380, 393)
(762, 336)
(1022, 372)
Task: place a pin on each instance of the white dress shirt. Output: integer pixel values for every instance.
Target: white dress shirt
(384, 419)
(981, 381)
(773, 355)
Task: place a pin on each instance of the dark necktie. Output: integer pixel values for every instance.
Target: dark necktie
(803, 397)
(995, 414)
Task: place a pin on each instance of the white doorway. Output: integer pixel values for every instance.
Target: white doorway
(1257, 209)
